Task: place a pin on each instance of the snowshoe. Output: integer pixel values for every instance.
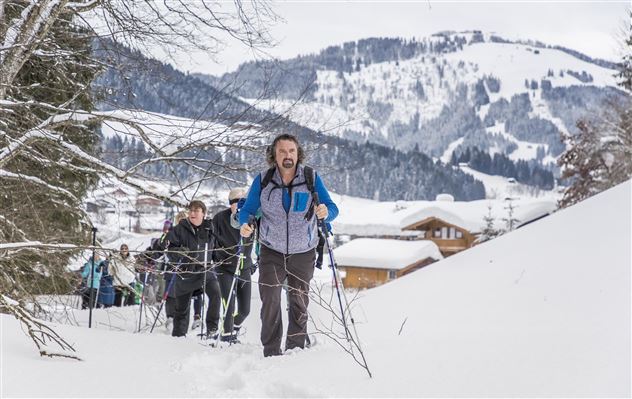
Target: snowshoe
(209, 338)
(230, 338)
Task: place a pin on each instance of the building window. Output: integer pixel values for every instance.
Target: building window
(437, 233)
(452, 233)
(459, 234)
(444, 232)
(392, 274)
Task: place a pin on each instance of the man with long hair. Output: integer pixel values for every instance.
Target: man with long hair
(288, 234)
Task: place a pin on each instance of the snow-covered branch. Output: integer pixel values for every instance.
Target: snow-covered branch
(83, 6)
(23, 35)
(35, 180)
(37, 330)
(10, 151)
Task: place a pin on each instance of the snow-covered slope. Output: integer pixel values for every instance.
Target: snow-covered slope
(499, 187)
(512, 63)
(543, 311)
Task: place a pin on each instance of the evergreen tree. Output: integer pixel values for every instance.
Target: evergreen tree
(489, 232)
(56, 215)
(510, 221)
(625, 69)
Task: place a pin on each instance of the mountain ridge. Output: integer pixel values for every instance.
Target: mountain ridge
(433, 92)
(362, 169)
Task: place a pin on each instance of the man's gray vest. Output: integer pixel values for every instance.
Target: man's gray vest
(287, 232)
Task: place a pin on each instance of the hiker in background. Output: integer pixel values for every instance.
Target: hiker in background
(106, 290)
(226, 230)
(146, 270)
(169, 274)
(158, 247)
(288, 234)
(121, 268)
(92, 268)
(187, 242)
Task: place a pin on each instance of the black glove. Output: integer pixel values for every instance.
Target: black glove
(253, 268)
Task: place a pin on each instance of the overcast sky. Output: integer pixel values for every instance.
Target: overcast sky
(592, 27)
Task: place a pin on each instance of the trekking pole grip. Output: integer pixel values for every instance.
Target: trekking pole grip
(320, 222)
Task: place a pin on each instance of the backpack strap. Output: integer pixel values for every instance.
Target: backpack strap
(310, 176)
(267, 178)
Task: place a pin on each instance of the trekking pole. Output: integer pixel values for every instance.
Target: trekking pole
(202, 313)
(230, 293)
(233, 287)
(340, 287)
(94, 244)
(334, 269)
(142, 299)
(162, 304)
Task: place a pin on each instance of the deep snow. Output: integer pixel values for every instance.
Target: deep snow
(541, 311)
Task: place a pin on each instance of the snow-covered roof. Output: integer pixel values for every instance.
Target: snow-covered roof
(372, 218)
(470, 214)
(384, 253)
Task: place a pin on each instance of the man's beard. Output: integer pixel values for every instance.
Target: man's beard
(288, 163)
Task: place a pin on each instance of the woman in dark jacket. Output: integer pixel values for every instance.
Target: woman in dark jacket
(187, 241)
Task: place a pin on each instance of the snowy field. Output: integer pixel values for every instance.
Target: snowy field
(543, 311)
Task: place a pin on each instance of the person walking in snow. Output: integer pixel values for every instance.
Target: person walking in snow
(288, 234)
(226, 228)
(92, 268)
(146, 270)
(121, 268)
(106, 289)
(158, 247)
(170, 273)
(186, 243)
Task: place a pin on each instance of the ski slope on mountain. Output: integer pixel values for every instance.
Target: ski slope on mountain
(502, 187)
(541, 311)
(512, 63)
(343, 101)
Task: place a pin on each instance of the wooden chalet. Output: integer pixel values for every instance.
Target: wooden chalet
(368, 262)
(449, 237)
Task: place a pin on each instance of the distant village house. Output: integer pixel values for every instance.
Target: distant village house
(369, 262)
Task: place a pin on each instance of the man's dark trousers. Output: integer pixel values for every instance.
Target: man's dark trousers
(274, 268)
